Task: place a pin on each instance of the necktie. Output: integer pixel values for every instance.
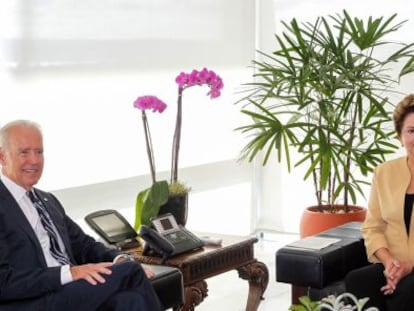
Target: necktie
(47, 223)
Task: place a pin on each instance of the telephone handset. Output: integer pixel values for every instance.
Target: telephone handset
(156, 242)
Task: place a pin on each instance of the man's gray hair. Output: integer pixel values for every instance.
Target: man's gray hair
(4, 130)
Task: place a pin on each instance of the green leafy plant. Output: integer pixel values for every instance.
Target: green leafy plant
(178, 188)
(343, 302)
(306, 304)
(149, 201)
(323, 95)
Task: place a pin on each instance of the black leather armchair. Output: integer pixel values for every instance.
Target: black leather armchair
(318, 273)
(168, 284)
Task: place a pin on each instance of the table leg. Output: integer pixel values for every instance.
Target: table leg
(258, 276)
(297, 292)
(194, 294)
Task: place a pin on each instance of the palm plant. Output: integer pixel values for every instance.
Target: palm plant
(325, 93)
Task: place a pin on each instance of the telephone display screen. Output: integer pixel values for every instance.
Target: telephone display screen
(166, 224)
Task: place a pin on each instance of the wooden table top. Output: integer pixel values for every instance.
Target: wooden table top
(208, 261)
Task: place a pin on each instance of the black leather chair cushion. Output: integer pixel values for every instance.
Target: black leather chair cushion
(322, 268)
(168, 284)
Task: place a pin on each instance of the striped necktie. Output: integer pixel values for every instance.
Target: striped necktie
(47, 223)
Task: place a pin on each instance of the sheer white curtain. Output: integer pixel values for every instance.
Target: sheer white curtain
(145, 34)
(77, 66)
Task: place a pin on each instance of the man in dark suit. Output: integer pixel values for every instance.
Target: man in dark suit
(46, 261)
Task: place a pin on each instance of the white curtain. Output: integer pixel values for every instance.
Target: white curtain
(77, 66)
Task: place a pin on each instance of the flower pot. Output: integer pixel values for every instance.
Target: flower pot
(178, 207)
(313, 221)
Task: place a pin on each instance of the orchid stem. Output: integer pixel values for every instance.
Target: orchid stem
(176, 138)
(150, 150)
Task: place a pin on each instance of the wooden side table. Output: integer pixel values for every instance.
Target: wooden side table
(235, 253)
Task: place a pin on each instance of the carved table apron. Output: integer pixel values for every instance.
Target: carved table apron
(235, 253)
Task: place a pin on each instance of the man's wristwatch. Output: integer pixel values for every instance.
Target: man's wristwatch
(124, 257)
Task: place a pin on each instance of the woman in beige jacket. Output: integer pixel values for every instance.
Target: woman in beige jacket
(388, 229)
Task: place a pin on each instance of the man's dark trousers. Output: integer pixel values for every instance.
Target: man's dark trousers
(126, 289)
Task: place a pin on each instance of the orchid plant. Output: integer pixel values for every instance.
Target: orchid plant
(149, 200)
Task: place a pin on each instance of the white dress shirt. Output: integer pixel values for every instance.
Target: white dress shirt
(19, 194)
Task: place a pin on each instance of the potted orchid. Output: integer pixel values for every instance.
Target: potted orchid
(149, 201)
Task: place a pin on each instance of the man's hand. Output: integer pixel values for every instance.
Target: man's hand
(148, 273)
(92, 273)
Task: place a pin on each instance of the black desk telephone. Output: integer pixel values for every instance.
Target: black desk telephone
(168, 239)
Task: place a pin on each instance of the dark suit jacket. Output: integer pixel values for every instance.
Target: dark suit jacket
(23, 270)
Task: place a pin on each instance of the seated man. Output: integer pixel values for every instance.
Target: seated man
(46, 261)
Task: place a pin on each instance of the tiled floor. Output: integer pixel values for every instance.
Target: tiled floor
(228, 292)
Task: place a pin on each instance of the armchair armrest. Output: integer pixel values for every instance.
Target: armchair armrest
(319, 269)
(168, 284)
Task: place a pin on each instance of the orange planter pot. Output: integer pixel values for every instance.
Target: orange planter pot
(313, 221)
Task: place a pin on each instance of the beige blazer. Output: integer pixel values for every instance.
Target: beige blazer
(384, 225)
